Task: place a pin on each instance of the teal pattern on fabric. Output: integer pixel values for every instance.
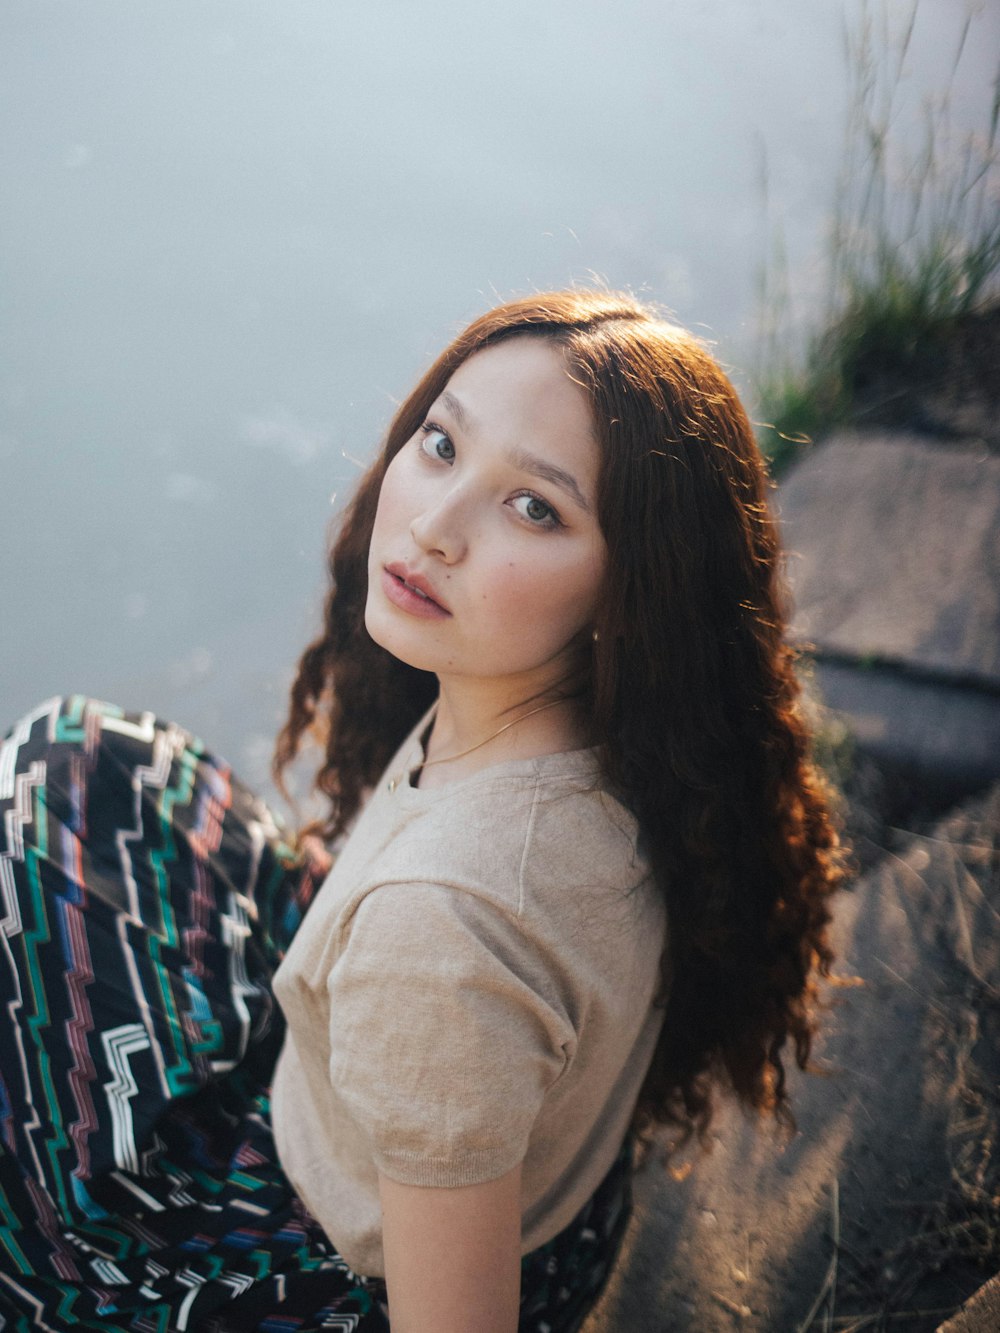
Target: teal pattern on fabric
(146, 897)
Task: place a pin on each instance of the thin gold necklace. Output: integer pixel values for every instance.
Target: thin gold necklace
(450, 758)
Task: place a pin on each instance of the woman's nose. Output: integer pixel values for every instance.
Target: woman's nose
(440, 530)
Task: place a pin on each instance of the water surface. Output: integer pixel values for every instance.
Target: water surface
(233, 234)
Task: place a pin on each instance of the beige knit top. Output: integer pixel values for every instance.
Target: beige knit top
(472, 987)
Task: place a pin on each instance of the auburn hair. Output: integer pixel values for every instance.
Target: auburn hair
(692, 695)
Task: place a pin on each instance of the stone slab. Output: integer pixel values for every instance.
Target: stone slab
(941, 740)
(894, 552)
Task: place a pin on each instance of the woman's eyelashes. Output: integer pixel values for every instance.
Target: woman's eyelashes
(436, 444)
(535, 510)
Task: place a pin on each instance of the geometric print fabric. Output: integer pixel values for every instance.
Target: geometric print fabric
(146, 897)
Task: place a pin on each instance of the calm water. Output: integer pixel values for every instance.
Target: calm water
(233, 234)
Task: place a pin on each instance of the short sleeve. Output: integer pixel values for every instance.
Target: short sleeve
(442, 1039)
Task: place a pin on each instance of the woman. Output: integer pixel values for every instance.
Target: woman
(582, 872)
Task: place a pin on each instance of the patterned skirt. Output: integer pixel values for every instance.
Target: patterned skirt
(146, 897)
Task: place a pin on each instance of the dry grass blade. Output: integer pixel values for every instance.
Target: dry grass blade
(828, 1289)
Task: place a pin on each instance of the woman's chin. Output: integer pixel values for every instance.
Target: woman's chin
(383, 629)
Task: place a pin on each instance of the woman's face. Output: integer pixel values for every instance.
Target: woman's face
(486, 557)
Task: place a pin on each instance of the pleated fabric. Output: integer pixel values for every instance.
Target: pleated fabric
(146, 897)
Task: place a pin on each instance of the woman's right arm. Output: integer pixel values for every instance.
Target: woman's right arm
(453, 1256)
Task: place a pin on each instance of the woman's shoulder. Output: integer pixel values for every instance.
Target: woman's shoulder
(518, 835)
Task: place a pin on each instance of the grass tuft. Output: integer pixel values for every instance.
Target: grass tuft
(914, 249)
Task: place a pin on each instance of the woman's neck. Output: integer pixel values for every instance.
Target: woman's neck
(476, 729)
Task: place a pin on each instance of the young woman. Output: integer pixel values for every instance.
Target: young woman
(581, 879)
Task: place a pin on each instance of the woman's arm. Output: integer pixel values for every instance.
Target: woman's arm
(453, 1256)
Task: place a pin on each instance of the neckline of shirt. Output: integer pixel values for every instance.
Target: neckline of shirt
(411, 755)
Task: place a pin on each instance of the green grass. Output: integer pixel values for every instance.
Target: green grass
(914, 248)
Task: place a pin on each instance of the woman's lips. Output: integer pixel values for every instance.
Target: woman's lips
(409, 598)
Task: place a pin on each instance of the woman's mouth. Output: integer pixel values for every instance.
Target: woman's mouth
(411, 593)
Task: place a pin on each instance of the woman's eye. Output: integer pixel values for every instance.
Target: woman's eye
(536, 511)
(436, 444)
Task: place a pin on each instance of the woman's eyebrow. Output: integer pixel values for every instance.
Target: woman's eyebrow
(540, 467)
(521, 458)
(456, 408)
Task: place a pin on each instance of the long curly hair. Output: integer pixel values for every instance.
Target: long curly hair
(692, 694)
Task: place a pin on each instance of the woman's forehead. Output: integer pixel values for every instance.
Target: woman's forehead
(525, 381)
(520, 396)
